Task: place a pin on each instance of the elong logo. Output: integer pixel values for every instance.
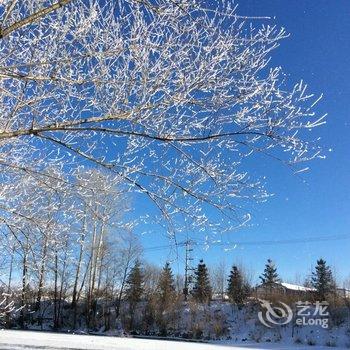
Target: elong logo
(307, 314)
(275, 315)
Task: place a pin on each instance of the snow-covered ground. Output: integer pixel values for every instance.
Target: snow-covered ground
(26, 340)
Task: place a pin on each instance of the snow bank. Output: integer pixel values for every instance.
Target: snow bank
(19, 340)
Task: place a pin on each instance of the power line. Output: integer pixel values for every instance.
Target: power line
(252, 243)
(293, 241)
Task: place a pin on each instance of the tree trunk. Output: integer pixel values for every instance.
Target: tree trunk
(55, 321)
(24, 285)
(41, 274)
(8, 320)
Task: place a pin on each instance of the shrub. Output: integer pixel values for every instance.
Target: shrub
(311, 342)
(331, 343)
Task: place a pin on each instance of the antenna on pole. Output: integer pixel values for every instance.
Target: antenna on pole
(188, 268)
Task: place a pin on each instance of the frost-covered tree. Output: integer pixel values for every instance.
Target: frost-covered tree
(270, 274)
(57, 240)
(202, 291)
(171, 96)
(172, 99)
(322, 280)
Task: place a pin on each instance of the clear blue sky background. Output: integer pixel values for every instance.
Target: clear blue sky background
(317, 51)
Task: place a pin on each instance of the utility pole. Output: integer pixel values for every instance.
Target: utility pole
(188, 268)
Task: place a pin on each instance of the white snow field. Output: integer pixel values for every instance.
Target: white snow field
(27, 340)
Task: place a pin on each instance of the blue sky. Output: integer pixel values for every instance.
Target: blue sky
(318, 204)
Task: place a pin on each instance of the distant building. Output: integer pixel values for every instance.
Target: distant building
(282, 288)
(343, 293)
(220, 297)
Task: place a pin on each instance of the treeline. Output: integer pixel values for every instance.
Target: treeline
(69, 260)
(129, 295)
(321, 283)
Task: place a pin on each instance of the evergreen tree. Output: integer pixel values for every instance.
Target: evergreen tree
(270, 274)
(322, 279)
(166, 286)
(237, 289)
(202, 290)
(134, 284)
(134, 289)
(165, 299)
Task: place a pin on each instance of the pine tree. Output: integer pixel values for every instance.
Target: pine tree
(166, 298)
(322, 279)
(134, 289)
(166, 286)
(134, 284)
(270, 274)
(202, 291)
(237, 289)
